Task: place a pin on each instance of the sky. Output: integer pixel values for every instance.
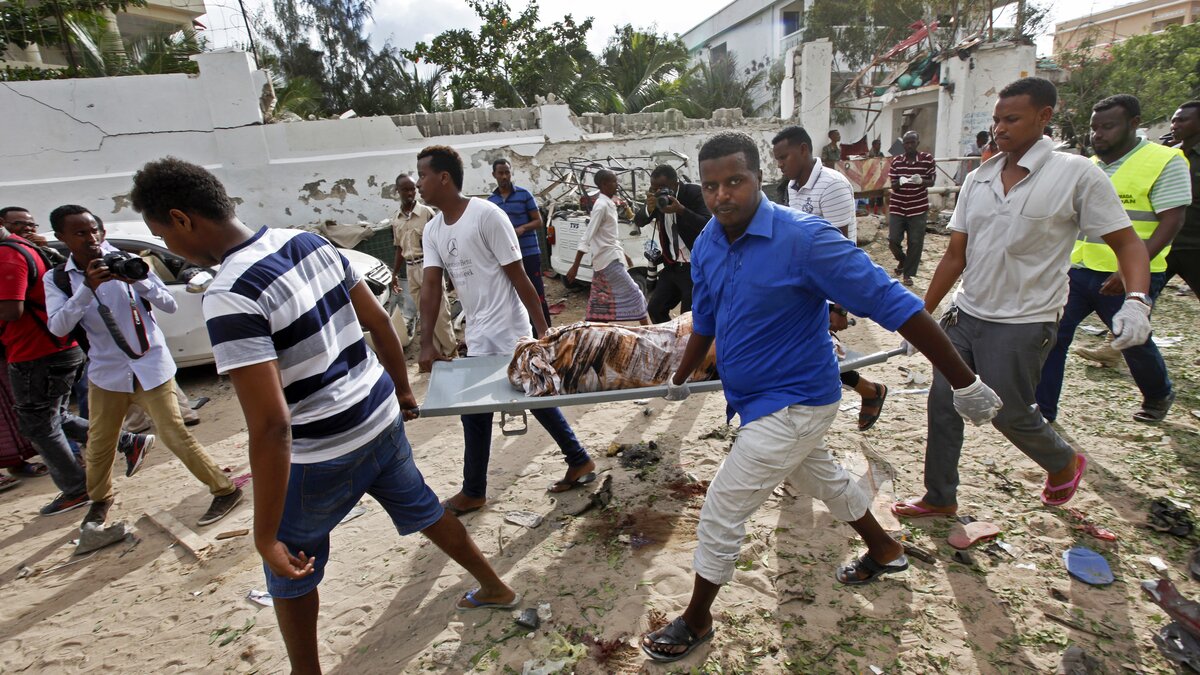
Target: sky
(406, 22)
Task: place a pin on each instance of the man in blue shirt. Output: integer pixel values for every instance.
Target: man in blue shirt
(522, 209)
(761, 276)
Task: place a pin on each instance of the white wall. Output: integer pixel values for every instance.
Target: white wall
(977, 81)
(80, 141)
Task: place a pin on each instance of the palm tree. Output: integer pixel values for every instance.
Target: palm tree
(638, 67)
(717, 84)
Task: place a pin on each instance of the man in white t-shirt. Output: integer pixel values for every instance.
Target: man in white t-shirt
(613, 295)
(817, 191)
(473, 241)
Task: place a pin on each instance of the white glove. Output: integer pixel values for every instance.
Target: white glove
(676, 392)
(1131, 325)
(909, 349)
(910, 180)
(976, 402)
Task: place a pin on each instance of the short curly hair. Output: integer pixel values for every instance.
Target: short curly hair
(444, 158)
(172, 183)
(731, 143)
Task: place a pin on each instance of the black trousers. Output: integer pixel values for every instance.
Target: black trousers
(674, 287)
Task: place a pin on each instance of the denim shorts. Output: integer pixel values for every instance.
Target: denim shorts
(319, 495)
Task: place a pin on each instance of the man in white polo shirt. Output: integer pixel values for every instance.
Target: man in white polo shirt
(1017, 219)
(814, 190)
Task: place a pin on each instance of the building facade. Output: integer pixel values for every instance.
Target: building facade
(1109, 27)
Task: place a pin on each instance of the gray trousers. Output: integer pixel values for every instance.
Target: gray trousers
(914, 226)
(1008, 358)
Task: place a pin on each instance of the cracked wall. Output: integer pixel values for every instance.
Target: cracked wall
(81, 141)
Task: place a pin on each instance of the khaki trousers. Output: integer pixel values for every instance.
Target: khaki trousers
(108, 409)
(443, 331)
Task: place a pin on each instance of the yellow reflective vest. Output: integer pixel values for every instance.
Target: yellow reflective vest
(1133, 181)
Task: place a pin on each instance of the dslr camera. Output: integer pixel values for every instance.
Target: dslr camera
(653, 253)
(663, 197)
(126, 265)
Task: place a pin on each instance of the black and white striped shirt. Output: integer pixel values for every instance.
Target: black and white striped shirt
(827, 194)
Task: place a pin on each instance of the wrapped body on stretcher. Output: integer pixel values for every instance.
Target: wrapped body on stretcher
(587, 357)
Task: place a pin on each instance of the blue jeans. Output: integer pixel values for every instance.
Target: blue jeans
(319, 495)
(1146, 363)
(41, 389)
(477, 441)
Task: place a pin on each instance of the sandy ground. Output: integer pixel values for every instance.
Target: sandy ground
(388, 602)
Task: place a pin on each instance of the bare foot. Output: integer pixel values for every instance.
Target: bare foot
(461, 503)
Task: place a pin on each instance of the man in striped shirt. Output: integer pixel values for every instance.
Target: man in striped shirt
(324, 414)
(815, 190)
(1141, 172)
(911, 174)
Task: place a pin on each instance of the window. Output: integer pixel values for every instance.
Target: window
(791, 22)
(718, 52)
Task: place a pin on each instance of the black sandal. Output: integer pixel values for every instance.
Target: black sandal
(850, 574)
(675, 634)
(867, 420)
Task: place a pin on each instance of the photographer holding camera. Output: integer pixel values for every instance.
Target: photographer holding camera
(111, 297)
(679, 213)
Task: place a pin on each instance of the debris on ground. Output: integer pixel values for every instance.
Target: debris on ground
(599, 499)
(230, 534)
(524, 518)
(1183, 611)
(1179, 647)
(261, 598)
(94, 536)
(1083, 524)
(1088, 566)
(725, 432)
(1167, 515)
(355, 512)
(529, 619)
(638, 455)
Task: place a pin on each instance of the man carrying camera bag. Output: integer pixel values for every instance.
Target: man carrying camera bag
(679, 213)
(111, 299)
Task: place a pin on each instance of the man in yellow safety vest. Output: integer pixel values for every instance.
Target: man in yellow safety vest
(1154, 186)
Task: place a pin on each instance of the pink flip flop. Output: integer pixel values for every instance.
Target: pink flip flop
(909, 508)
(1071, 487)
(964, 536)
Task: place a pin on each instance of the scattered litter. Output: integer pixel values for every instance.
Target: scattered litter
(964, 558)
(964, 536)
(541, 667)
(639, 455)
(94, 536)
(529, 619)
(196, 594)
(1194, 564)
(355, 512)
(1167, 515)
(642, 401)
(199, 403)
(1088, 566)
(914, 376)
(523, 518)
(1093, 330)
(1181, 610)
(240, 481)
(876, 670)
(557, 308)
(262, 598)
(1164, 342)
(600, 498)
(226, 634)
(545, 612)
(1086, 525)
(1196, 414)
(26, 571)
(1026, 566)
(530, 469)
(230, 534)
(1158, 564)
(911, 392)
(1178, 646)
(182, 534)
(1009, 548)
(725, 432)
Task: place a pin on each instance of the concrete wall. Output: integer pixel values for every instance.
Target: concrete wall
(80, 141)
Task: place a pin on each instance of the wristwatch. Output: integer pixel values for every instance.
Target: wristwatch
(1140, 297)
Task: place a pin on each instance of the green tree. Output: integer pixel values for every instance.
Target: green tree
(49, 22)
(716, 84)
(512, 59)
(638, 67)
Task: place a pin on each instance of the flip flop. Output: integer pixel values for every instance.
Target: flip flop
(1071, 486)
(675, 634)
(8, 482)
(29, 470)
(964, 536)
(910, 508)
(469, 596)
(459, 513)
(565, 485)
(848, 574)
(1088, 566)
(868, 420)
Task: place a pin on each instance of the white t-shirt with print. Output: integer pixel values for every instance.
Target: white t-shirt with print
(473, 251)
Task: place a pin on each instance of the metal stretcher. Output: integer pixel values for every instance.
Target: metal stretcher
(480, 384)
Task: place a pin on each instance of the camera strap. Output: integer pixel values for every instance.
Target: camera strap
(114, 330)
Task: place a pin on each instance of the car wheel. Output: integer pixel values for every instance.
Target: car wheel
(639, 278)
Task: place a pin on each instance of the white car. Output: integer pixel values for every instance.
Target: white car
(187, 336)
(566, 230)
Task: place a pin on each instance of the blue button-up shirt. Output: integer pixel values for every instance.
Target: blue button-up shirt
(763, 298)
(109, 367)
(517, 206)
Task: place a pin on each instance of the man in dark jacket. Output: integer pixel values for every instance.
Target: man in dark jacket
(678, 221)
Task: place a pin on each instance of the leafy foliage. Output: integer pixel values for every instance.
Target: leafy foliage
(638, 67)
(718, 84)
(512, 59)
(49, 22)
